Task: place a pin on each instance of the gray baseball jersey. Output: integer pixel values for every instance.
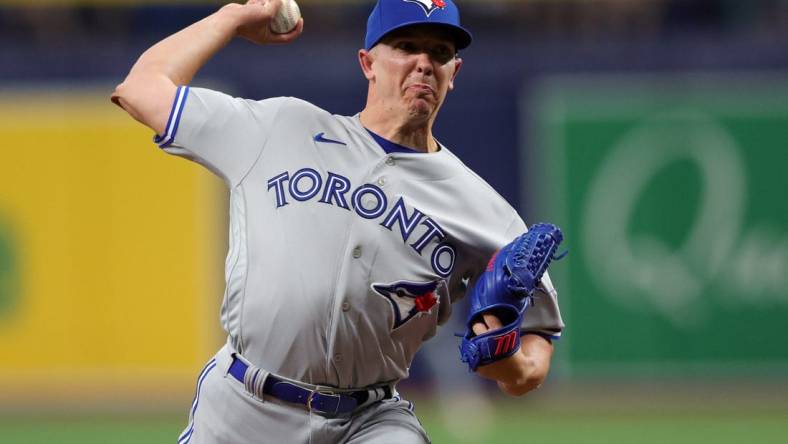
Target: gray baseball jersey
(346, 250)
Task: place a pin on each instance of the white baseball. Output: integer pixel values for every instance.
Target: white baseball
(286, 17)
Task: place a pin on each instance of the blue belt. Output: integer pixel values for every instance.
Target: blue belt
(315, 400)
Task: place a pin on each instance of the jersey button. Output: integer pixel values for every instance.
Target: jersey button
(338, 357)
(345, 306)
(382, 181)
(390, 161)
(357, 252)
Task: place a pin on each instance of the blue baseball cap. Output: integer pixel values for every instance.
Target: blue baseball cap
(390, 15)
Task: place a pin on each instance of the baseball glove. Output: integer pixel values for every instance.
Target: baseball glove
(505, 290)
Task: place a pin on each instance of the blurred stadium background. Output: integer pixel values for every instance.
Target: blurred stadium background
(654, 131)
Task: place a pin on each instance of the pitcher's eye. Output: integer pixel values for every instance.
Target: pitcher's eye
(407, 47)
(441, 53)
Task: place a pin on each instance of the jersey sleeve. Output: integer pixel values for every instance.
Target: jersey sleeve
(544, 316)
(223, 133)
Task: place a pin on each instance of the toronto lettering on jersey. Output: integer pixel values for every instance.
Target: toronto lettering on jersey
(333, 189)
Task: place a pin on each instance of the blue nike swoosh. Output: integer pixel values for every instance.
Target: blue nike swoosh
(319, 138)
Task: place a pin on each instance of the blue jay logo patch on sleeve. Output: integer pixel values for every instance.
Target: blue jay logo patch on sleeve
(429, 6)
(409, 299)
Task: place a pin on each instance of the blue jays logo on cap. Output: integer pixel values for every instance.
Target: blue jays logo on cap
(408, 299)
(428, 5)
(390, 15)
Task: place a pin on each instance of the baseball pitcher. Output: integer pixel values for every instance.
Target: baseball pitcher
(350, 236)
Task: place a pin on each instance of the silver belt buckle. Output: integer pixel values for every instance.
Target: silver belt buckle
(311, 397)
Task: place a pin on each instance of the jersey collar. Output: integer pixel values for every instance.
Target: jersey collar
(391, 147)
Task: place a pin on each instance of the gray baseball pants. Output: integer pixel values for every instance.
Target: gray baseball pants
(223, 412)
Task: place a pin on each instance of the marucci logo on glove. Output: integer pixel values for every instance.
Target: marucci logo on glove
(505, 343)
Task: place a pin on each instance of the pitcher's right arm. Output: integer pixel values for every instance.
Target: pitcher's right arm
(149, 89)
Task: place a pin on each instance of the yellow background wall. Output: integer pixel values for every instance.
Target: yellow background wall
(118, 251)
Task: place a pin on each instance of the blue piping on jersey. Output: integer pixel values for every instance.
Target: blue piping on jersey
(391, 147)
(174, 119)
(187, 434)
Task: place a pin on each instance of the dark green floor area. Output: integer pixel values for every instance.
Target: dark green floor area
(510, 426)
